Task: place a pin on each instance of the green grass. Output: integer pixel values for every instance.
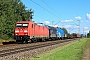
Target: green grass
(72, 51)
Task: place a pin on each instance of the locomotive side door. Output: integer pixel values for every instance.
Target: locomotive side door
(32, 30)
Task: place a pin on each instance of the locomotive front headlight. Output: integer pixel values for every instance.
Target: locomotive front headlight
(26, 34)
(16, 31)
(16, 34)
(25, 31)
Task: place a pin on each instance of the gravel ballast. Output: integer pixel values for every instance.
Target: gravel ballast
(31, 53)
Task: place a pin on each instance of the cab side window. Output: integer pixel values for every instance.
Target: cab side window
(32, 25)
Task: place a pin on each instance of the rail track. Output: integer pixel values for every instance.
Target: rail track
(26, 48)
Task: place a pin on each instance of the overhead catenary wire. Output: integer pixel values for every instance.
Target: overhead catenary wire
(47, 4)
(50, 7)
(44, 8)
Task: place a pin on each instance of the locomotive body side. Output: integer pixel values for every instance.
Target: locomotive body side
(41, 32)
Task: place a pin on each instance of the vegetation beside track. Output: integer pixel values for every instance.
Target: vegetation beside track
(10, 40)
(86, 55)
(72, 51)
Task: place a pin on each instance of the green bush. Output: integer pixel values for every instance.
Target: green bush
(5, 37)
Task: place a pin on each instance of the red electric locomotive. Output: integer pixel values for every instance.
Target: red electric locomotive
(28, 31)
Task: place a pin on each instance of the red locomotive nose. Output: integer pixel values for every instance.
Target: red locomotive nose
(21, 29)
(21, 32)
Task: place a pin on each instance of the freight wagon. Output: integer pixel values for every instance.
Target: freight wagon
(52, 33)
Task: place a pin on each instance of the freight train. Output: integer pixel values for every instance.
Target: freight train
(28, 31)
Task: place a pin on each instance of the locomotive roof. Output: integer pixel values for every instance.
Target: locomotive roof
(24, 21)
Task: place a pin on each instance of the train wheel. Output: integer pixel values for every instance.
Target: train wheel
(34, 40)
(43, 40)
(29, 41)
(25, 41)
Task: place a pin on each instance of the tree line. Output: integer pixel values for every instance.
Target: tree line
(12, 11)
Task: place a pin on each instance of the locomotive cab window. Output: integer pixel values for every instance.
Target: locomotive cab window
(32, 25)
(21, 25)
(25, 25)
(43, 28)
(18, 25)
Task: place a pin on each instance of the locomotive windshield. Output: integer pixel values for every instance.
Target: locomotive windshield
(21, 25)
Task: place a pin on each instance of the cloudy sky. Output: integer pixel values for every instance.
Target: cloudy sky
(62, 13)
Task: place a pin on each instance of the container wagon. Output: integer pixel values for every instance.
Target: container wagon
(60, 33)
